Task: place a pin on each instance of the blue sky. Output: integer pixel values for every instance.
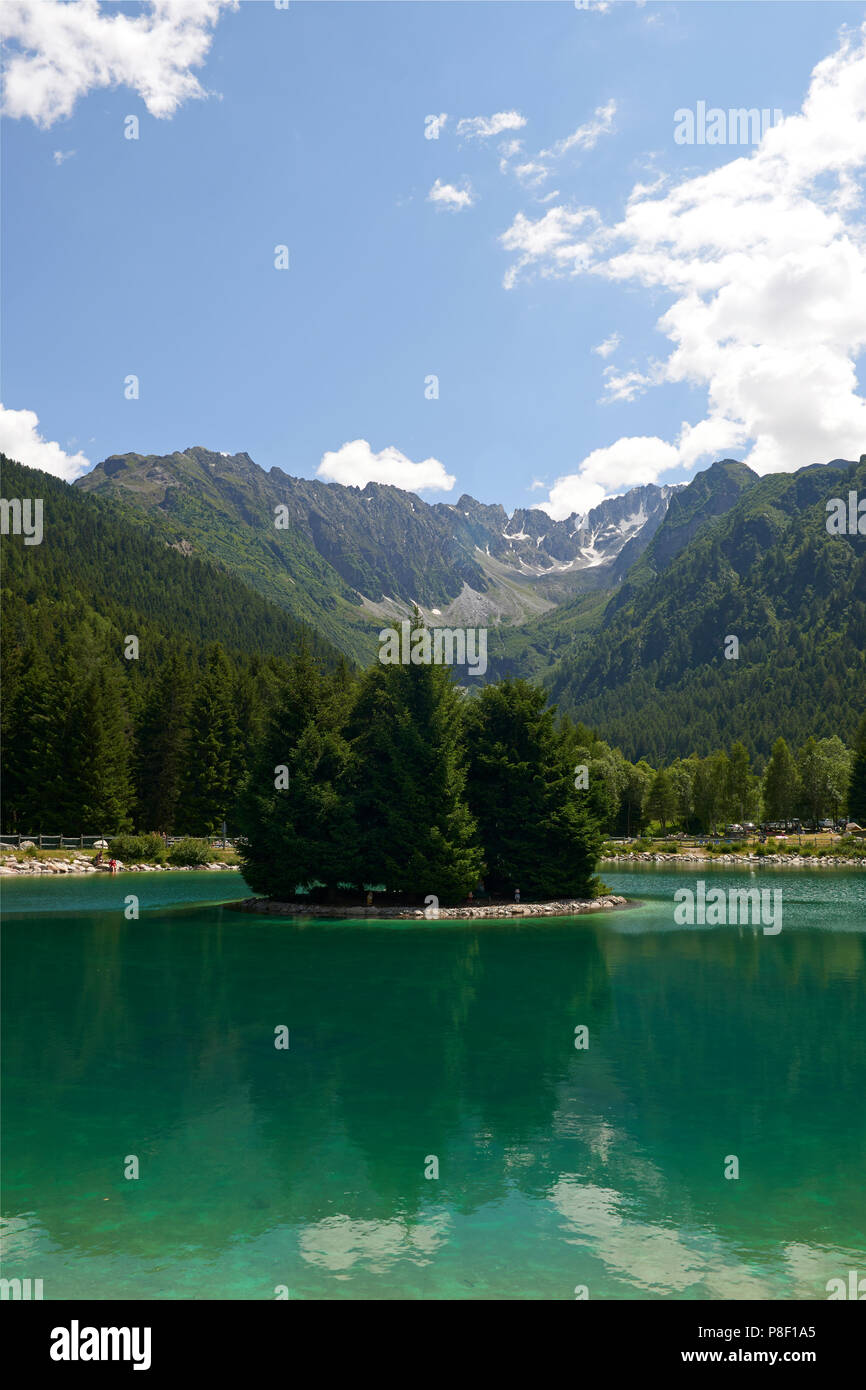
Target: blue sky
(155, 256)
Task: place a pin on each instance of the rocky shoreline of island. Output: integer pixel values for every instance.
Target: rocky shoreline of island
(561, 907)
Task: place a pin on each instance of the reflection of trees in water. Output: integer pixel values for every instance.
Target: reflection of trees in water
(400, 1041)
(771, 1069)
(446, 1040)
(440, 1080)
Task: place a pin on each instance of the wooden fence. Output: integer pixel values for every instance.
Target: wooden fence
(42, 841)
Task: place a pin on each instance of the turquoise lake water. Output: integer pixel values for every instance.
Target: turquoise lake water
(558, 1167)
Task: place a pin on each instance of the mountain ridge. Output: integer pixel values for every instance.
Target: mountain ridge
(730, 553)
(347, 558)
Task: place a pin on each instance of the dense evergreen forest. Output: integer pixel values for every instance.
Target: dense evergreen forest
(95, 740)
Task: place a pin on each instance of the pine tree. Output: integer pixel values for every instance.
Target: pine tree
(35, 715)
(162, 738)
(415, 831)
(211, 782)
(295, 812)
(97, 783)
(537, 832)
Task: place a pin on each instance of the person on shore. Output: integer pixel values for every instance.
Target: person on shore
(112, 864)
(98, 860)
(517, 895)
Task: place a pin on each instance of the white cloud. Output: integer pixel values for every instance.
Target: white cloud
(609, 345)
(20, 440)
(625, 386)
(60, 155)
(450, 196)
(355, 464)
(586, 136)
(433, 125)
(549, 244)
(56, 53)
(764, 263)
(482, 127)
(531, 174)
(628, 463)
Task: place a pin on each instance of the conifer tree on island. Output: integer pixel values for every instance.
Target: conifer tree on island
(534, 824)
(416, 833)
(294, 812)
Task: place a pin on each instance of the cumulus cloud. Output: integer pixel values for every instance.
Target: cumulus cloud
(628, 463)
(448, 195)
(20, 440)
(482, 127)
(559, 242)
(625, 386)
(57, 52)
(355, 464)
(764, 263)
(60, 156)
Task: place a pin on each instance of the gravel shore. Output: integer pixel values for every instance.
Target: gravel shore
(565, 907)
(41, 867)
(752, 861)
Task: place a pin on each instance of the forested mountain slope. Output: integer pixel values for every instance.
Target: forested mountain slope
(654, 674)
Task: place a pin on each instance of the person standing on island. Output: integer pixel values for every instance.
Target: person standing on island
(517, 895)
